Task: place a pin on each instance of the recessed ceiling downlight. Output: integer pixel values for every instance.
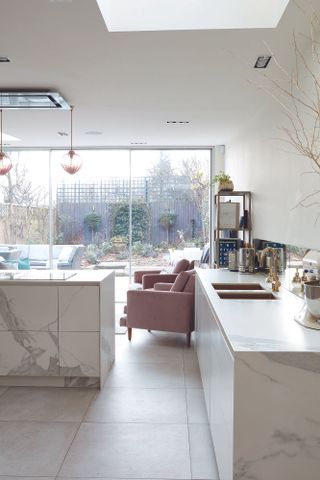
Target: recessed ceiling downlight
(181, 122)
(93, 132)
(262, 61)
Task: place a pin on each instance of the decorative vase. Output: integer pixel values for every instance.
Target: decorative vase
(226, 186)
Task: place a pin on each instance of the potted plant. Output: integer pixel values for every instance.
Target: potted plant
(224, 182)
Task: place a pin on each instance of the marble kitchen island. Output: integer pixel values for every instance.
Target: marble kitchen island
(56, 328)
(261, 377)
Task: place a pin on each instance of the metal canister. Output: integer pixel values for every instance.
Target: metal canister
(246, 260)
(312, 296)
(233, 261)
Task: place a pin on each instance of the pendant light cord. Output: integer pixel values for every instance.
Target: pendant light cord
(71, 128)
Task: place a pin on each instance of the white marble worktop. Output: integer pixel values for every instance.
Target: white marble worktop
(53, 277)
(258, 325)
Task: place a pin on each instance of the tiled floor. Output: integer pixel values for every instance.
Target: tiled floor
(148, 422)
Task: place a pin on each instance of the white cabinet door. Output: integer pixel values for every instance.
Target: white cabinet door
(25, 307)
(217, 373)
(25, 353)
(79, 354)
(204, 347)
(79, 309)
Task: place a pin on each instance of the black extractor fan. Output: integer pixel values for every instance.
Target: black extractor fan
(32, 99)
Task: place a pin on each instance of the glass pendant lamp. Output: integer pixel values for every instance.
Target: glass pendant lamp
(71, 161)
(5, 161)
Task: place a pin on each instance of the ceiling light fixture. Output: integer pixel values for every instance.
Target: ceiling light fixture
(71, 162)
(262, 61)
(5, 60)
(32, 99)
(138, 143)
(5, 161)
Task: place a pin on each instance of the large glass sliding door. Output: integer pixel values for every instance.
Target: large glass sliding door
(170, 205)
(92, 209)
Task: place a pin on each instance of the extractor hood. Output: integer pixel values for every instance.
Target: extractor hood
(34, 100)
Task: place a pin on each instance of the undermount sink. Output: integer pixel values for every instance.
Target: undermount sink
(237, 286)
(246, 295)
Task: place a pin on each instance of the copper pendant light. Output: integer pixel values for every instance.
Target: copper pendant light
(5, 161)
(71, 162)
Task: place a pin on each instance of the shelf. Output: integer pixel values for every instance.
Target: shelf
(234, 229)
(232, 216)
(226, 193)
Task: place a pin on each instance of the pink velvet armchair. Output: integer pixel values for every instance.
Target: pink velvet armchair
(163, 309)
(144, 278)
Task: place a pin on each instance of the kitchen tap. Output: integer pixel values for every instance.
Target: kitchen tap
(273, 275)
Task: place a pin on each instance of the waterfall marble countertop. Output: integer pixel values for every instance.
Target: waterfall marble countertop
(53, 277)
(258, 325)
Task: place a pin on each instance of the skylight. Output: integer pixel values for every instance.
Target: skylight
(155, 15)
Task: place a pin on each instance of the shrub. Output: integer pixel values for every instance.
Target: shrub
(106, 247)
(123, 255)
(140, 221)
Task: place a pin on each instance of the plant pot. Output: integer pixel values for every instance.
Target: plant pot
(226, 186)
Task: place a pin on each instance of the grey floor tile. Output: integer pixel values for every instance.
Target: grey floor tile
(192, 374)
(2, 390)
(45, 404)
(196, 406)
(168, 339)
(138, 405)
(5, 477)
(190, 354)
(203, 464)
(146, 375)
(129, 451)
(146, 352)
(34, 448)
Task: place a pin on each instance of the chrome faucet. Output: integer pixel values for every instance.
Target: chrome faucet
(273, 275)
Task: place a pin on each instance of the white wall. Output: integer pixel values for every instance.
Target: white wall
(258, 162)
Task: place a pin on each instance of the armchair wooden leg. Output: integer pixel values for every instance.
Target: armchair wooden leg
(129, 333)
(189, 339)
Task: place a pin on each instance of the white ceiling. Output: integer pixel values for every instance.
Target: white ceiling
(154, 15)
(127, 85)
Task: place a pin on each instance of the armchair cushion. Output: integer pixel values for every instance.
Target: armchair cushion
(180, 282)
(190, 285)
(165, 287)
(149, 280)
(181, 266)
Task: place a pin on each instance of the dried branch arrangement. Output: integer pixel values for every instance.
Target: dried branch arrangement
(298, 93)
